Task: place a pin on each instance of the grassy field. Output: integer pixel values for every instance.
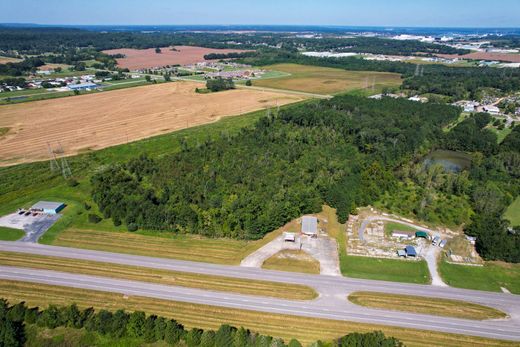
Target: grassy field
(418, 304)
(322, 80)
(501, 134)
(294, 261)
(387, 269)
(162, 244)
(391, 226)
(9, 234)
(513, 212)
(183, 279)
(490, 277)
(306, 330)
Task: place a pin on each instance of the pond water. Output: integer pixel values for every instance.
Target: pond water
(450, 160)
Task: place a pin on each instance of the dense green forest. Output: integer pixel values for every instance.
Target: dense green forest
(146, 328)
(339, 151)
(346, 152)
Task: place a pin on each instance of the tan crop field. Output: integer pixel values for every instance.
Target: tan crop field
(95, 121)
(324, 80)
(5, 60)
(136, 59)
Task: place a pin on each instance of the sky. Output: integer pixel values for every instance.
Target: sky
(404, 13)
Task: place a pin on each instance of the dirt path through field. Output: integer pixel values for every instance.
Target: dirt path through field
(92, 122)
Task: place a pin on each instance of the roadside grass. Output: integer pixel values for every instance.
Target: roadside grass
(490, 277)
(293, 261)
(9, 234)
(337, 231)
(175, 278)
(307, 330)
(162, 244)
(513, 212)
(387, 269)
(322, 80)
(424, 305)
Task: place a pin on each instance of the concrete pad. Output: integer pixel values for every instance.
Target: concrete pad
(34, 226)
(323, 248)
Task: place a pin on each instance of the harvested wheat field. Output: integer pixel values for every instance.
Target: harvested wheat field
(136, 59)
(95, 121)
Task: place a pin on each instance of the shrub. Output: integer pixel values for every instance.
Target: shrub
(132, 227)
(94, 218)
(72, 182)
(87, 206)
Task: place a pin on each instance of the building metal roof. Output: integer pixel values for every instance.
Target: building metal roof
(422, 234)
(401, 253)
(403, 233)
(47, 205)
(410, 250)
(309, 225)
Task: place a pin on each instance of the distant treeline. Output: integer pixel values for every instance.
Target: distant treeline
(20, 68)
(218, 56)
(43, 40)
(149, 329)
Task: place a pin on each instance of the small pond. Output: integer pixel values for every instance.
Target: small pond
(450, 160)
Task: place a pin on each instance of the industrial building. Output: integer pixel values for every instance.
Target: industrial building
(48, 207)
(310, 225)
(83, 86)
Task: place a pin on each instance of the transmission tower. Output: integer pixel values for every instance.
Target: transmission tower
(65, 168)
(53, 162)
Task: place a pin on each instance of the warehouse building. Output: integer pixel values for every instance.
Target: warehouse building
(48, 207)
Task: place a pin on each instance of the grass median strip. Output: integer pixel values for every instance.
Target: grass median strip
(307, 330)
(183, 279)
(424, 305)
(294, 261)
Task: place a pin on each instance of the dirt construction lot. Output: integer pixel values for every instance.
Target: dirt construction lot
(136, 59)
(91, 122)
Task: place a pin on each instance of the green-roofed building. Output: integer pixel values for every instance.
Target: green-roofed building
(422, 234)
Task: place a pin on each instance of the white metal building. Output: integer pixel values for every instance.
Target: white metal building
(310, 225)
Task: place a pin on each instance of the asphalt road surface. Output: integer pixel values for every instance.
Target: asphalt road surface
(331, 303)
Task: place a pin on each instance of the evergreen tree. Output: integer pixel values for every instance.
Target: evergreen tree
(135, 325)
(207, 338)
